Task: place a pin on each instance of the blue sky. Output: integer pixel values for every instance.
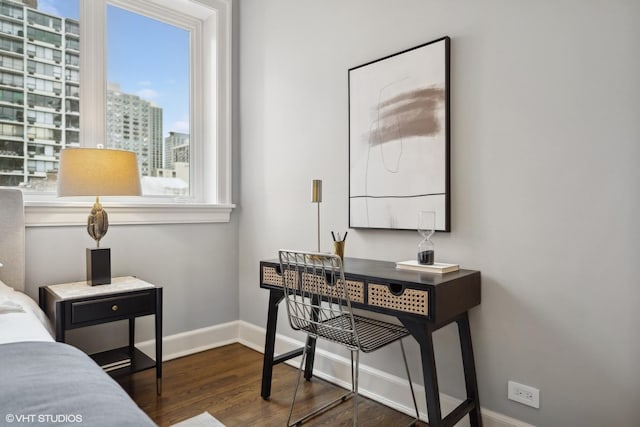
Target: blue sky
(146, 57)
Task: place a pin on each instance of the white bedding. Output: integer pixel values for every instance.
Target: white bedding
(21, 319)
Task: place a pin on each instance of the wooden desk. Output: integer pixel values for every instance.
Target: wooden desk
(423, 302)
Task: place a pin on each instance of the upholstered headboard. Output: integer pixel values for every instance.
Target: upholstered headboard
(12, 238)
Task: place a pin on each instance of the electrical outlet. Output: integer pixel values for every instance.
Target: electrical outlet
(524, 394)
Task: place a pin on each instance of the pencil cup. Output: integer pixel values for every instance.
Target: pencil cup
(338, 248)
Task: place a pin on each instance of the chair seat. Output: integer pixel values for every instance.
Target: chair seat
(372, 334)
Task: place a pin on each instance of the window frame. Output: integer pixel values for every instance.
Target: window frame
(209, 23)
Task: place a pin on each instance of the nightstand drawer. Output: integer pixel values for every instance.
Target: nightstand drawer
(112, 308)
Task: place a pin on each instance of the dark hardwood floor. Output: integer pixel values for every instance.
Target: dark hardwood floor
(226, 383)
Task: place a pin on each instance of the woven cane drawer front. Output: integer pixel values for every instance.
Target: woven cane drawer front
(410, 300)
(270, 276)
(318, 283)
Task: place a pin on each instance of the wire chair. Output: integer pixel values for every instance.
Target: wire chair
(318, 303)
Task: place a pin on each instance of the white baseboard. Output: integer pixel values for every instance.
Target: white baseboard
(186, 343)
(375, 384)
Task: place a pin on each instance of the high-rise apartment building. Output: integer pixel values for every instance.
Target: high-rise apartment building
(181, 153)
(40, 100)
(134, 124)
(175, 139)
(30, 3)
(39, 91)
(155, 127)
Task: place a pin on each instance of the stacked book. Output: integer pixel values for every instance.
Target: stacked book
(436, 267)
(116, 365)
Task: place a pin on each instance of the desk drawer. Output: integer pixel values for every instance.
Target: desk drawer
(112, 308)
(355, 288)
(270, 276)
(404, 299)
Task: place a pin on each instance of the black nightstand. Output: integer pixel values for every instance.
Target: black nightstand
(76, 305)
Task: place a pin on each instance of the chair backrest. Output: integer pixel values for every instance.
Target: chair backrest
(12, 238)
(316, 296)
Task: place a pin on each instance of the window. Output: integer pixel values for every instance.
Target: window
(72, 75)
(11, 28)
(11, 96)
(42, 52)
(68, 51)
(43, 101)
(11, 62)
(11, 113)
(11, 130)
(44, 36)
(11, 11)
(10, 79)
(10, 45)
(148, 97)
(39, 19)
(72, 43)
(72, 60)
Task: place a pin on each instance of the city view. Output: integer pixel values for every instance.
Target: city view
(147, 109)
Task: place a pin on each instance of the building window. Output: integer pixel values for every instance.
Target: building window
(43, 36)
(61, 35)
(12, 11)
(11, 28)
(42, 20)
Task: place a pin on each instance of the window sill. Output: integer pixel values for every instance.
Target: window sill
(55, 214)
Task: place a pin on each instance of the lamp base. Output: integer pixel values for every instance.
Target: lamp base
(98, 266)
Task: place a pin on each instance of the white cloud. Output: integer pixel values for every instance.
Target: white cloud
(148, 94)
(48, 7)
(181, 126)
(144, 83)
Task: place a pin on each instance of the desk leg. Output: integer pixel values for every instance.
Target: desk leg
(424, 335)
(275, 296)
(311, 351)
(468, 363)
(159, 341)
(311, 346)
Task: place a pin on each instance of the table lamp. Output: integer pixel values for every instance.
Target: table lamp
(98, 172)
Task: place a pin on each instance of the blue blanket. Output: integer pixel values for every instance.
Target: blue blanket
(49, 383)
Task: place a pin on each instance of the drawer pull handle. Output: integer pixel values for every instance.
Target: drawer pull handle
(114, 307)
(396, 289)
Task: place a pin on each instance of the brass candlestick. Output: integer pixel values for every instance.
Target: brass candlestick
(316, 197)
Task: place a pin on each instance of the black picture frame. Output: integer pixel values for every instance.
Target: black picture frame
(399, 138)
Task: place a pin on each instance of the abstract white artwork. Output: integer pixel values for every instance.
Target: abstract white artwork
(399, 139)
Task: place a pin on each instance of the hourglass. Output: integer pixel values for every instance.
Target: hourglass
(426, 228)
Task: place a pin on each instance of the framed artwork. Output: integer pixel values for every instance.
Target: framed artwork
(399, 139)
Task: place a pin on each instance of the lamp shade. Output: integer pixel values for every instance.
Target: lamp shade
(98, 172)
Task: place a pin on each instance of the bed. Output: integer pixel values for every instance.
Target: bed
(42, 381)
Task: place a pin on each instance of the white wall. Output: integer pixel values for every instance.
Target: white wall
(545, 198)
(194, 263)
